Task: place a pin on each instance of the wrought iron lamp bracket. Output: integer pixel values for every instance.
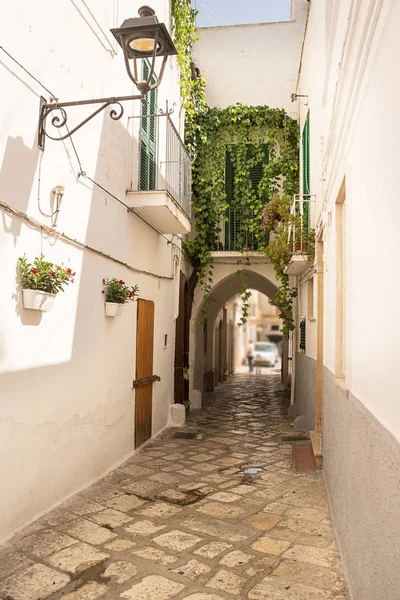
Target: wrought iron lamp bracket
(61, 119)
(168, 110)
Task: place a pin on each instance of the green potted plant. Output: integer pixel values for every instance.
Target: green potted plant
(41, 281)
(117, 293)
(275, 211)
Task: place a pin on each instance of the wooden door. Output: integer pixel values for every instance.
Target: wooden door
(144, 369)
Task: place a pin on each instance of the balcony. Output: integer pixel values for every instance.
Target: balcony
(298, 236)
(160, 190)
(234, 244)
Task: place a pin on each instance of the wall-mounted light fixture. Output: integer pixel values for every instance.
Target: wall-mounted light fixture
(294, 97)
(142, 37)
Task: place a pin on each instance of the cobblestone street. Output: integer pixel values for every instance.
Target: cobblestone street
(185, 519)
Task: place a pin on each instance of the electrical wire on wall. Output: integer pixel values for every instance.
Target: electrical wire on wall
(82, 173)
(58, 191)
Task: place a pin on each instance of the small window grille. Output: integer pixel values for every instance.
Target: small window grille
(303, 335)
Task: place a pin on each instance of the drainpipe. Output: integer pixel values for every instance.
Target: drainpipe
(316, 435)
(320, 338)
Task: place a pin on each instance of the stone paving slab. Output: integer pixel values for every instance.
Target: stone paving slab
(182, 519)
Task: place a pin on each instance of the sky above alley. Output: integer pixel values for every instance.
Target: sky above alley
(213, 13)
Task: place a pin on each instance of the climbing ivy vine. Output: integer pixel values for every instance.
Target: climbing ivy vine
(192, 85)
(244, 132)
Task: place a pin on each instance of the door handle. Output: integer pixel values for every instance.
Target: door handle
(145, 381)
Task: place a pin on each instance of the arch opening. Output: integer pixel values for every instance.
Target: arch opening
(217, 347)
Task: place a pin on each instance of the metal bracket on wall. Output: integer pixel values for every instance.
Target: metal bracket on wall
(60, 120)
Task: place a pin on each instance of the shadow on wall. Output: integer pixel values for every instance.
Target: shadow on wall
(16, 180)
(67, 423)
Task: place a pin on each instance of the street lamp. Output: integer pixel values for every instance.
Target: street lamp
(142, 37)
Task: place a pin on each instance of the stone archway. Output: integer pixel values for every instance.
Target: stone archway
(227, 284)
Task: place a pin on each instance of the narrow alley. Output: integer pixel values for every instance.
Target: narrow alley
(214, 511)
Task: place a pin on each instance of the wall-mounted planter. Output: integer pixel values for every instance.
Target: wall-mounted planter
(37, 300)
(114, 309)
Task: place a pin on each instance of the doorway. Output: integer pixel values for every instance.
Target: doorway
(144, 371)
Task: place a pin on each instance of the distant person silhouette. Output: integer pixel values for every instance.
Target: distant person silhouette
(250, 356)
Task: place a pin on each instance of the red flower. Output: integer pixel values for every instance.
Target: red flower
(103, 292)
(72, 280)
(51, 273)
(104, 283)
(33, 271)
(121, 282)
(73, 274)
(130, 294)
(124, 298)
(69, 271)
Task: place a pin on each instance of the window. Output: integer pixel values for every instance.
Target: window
(233, 237)
(305, 145)
(148, 135)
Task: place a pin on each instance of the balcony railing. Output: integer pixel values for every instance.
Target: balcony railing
(233, 239)
(164, 163)
(299, 228)
(300, 240)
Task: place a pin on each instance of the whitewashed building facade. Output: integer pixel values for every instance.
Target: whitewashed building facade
(67, 410)
(346, 380)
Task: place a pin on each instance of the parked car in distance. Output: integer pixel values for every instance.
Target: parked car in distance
(276, 350)
(265, 354)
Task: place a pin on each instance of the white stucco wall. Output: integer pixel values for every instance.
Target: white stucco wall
(348, 72)
(253, 64)
(67, 407)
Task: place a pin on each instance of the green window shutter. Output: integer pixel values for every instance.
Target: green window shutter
(233, 217)
(144, 166)
(257, 172)
(305, 143)
(230, 223)
(306, 155)
(148, 136)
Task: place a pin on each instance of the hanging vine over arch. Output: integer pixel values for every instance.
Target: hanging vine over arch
(244, 132)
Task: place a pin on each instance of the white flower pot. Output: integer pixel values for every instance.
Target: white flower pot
(114, 309)
(37, 300)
